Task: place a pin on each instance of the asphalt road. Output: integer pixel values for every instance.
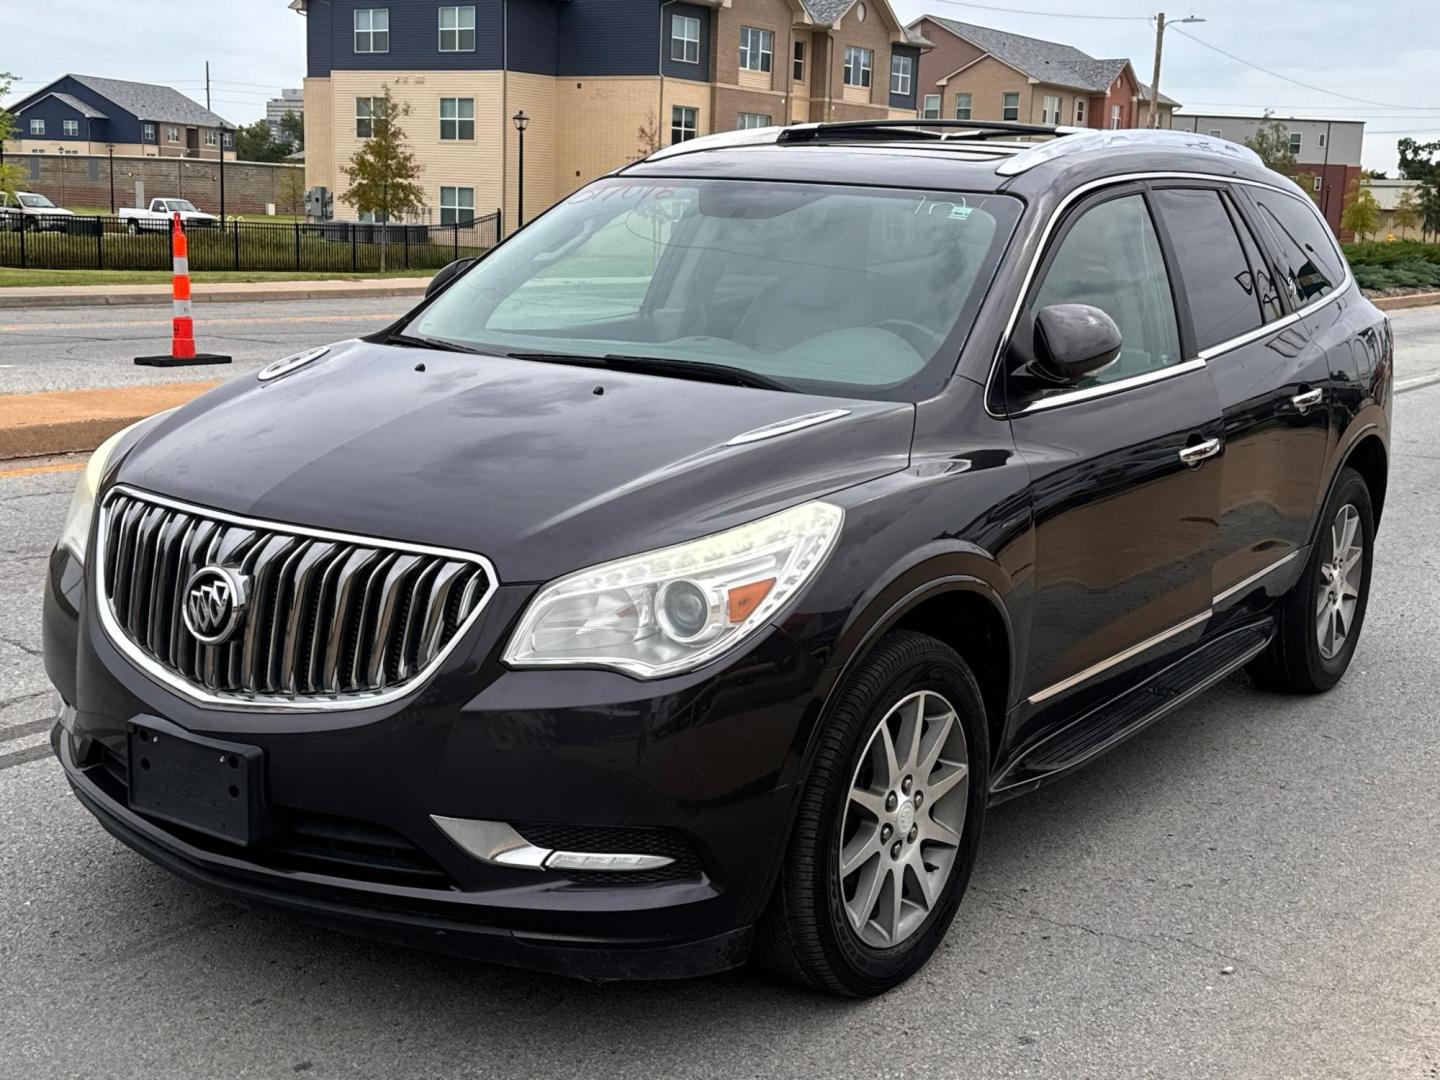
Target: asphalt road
(1249, 889)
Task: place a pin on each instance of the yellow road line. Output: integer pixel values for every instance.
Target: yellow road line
(37, 470)
(202, 321)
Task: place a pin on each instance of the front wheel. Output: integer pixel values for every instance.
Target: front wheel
(1320, 618)
(133, 229)
(888, 826)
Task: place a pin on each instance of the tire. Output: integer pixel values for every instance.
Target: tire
(1301, 660)
(808, 933)
(133, 229)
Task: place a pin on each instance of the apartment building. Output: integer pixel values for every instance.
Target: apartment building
(602, 82)
(289, 101)
(976, 73)
(85, 114)
(1327, 152)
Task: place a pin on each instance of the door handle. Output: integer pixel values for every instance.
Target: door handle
(1309, 399)
(1194, 455)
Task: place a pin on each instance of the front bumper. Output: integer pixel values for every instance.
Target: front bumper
(703, 765)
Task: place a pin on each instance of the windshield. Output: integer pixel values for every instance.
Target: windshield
(856, 291)
(36, 202)
(182, 205)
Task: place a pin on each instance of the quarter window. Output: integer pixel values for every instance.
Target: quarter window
(457, 118)
(753, 120)
(932, 107)
(756, 49)
(902, 69)
(858, 63)
(1110, 258)
(962, 106)
(684, 123)
(72, 127)
(372, 30)
(1305, 250)
(37, 127)
(457, 205)
(1010, 106)
(685, 39)
(1220, 286)
(457, 29)
(798, 64)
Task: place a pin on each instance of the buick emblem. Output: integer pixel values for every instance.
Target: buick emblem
(214, 604)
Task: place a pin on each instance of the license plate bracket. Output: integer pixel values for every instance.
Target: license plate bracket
(208, 785)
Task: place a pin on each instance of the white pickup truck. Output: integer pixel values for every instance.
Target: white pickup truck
(157, 218)
(28, 210)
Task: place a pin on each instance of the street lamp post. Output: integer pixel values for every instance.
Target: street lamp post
(521, 123)
(110, 152)
(1153, 120)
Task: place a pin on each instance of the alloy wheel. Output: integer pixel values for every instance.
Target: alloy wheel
(904, 817)
(1339, 584)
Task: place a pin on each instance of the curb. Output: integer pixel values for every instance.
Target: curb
(1400, 303)
(77, 421)
(239, 293)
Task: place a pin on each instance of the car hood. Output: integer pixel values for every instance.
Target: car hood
(544, 468)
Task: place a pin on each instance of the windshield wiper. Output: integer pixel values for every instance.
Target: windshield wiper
(416, 341)
(662, 365)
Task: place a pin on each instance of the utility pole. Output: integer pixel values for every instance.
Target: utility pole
(1153, 120)
(207, 74)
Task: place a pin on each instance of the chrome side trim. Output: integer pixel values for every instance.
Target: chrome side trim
(266, 703)
(1206, 354)
(1241, 586)
(497, 843)
(1106, 389)
(1118, 658)
(785, 427)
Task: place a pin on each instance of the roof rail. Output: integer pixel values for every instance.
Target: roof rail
(1137, 137)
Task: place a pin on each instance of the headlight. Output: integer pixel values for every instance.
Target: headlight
(672, 610)
(76, 533)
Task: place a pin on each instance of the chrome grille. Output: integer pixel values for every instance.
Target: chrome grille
(328, 617)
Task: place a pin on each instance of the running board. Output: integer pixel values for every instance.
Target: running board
(1090, 735)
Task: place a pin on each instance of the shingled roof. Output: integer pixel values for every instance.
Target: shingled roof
(149, 101)
(1048, 61)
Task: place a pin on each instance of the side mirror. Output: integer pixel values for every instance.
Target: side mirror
(447, 274)
(1072, 341)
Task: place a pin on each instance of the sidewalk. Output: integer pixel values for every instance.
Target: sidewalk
(66, 421)
(26, 296)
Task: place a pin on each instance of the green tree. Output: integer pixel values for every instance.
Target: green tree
(1362, 212)
(1417, 159)
(1374, 174)
(290, 190)
(1406, 215)
(1429, 208)
(1272, 142)
(9, 174)
(292, 129)
(254, 142)
(382, 172)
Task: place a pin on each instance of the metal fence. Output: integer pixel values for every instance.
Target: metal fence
(115, 243)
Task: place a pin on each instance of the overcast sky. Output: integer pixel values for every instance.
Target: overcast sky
(1386, 52)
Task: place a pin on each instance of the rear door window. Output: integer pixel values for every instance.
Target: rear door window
(1304, 249)
(1218, 282)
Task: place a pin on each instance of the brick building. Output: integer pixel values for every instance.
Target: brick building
(602, 82)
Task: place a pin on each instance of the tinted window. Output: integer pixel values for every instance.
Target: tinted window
(1219, 286)
(1266, 287)
(1110, 258)
(1301, 242)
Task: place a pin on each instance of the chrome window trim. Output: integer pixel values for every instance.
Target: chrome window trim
(1245, 583)
(1218, 349)
(1119, 658)
(268, 702)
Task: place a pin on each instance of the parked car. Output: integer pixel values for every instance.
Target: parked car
(161, 212)
(684, 580)
(29, 210)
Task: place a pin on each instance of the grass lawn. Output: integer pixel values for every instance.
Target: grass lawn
(12, 278)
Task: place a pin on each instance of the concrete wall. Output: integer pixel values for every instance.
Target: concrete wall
(84, 180)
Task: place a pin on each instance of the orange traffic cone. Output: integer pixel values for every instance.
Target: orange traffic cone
(182, 335)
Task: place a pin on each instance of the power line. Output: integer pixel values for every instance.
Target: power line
(1046, 14)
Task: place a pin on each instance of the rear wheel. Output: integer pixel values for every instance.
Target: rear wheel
(1321, 617)
(888, 826)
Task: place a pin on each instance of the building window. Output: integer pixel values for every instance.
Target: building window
(457, 205)
(1316, 184)
(212, 137)
(172, 134)
(72, 127)
(962, 106)
(1050, 110)
(1295, 141)
(1322, 140)
(147, 132)
(931, 111)
(797, 71)
(756, 49)
(685, 39)
(684, 123)
(1079, 110)
(858, 63)
(1010, 106)
(457, 29)
(902, 68)
(37, 127)
(1114, 117)
(372, 30)
(457, 118)
(753, 120)
(1215, 133)
(228, 141)
(366, 109)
